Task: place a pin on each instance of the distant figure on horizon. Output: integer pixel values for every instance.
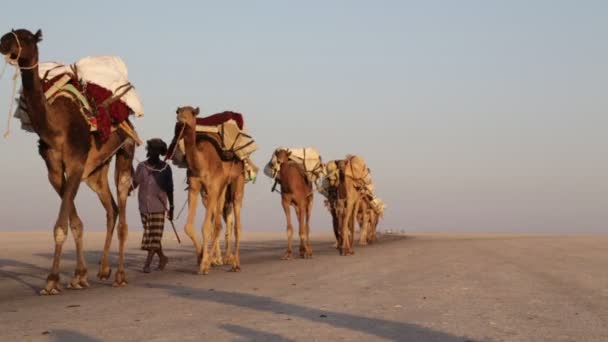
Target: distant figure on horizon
(155, 180)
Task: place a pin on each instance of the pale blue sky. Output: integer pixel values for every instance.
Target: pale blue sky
(473, 115)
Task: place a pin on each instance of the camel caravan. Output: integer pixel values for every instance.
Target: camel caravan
(82, 114)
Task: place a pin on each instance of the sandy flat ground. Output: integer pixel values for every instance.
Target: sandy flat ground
(425, 287)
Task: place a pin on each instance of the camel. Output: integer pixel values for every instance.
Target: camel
(353, 176)
(215, 180)
(296, 190)
(367, 220)
(331, 192)
(73, 155)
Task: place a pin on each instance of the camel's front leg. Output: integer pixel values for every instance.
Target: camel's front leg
(286, 203)
(308, 216)
(194, 189)
(60, 231)
(229, 220)
(238, 204)
(216, 258)
(57, 180)
(363, 226)
(346, 238)
(212, 198)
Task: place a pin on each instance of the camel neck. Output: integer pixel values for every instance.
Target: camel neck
(35, 101)
(189, 135)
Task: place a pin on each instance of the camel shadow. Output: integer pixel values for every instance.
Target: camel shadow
(390, 330)
(62, 335)
(252, 335)
(22, 273)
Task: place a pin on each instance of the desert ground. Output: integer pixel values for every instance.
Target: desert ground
(414, 287)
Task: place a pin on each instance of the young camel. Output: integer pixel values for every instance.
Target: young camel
(214, 179)
(72, 155)
(296, 190)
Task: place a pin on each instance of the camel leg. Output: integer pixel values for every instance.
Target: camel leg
(123, 175)
(301, 213)
(351, 227)
(216, 258)
(57, 180)
(229, 219)
(363, 225)
(336, 225)
(74, 170)
(100, 185)
(373, 223)
(308, 215)
(80, 279)
(213, 195)
(285, 201)
(346, 238)
(239, 193)
(194, 189)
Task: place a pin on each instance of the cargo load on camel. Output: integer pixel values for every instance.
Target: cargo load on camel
(307, 157)
(227, 132)
(100, 85)
(355, 169)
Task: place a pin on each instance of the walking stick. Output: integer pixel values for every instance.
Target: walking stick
(171, 221)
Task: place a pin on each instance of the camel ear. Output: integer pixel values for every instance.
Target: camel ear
(38, 36)
(196, 111)
(177, 110)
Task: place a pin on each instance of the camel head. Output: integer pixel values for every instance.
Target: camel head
(282, 155)
(21, 46)
(187, 116)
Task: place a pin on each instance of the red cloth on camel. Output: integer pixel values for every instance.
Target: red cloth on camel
(116, 112)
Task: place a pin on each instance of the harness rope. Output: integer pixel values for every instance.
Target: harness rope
(14, 62)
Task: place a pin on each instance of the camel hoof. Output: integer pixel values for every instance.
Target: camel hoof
(104, 274)
(228, 259)
(51, 292)
(74, 286)
(121, 279)
(203, 272)
(287, 256)
(235, 268)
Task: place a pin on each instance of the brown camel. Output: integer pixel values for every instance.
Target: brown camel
(296, 190)
(367, 220)
(331, 192)
(72, 155)
(353, 177)
(216, 180)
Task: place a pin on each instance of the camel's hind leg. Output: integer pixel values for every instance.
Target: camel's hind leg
(228, 214)
(286, 203)
(123, 177)
(99, 183)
